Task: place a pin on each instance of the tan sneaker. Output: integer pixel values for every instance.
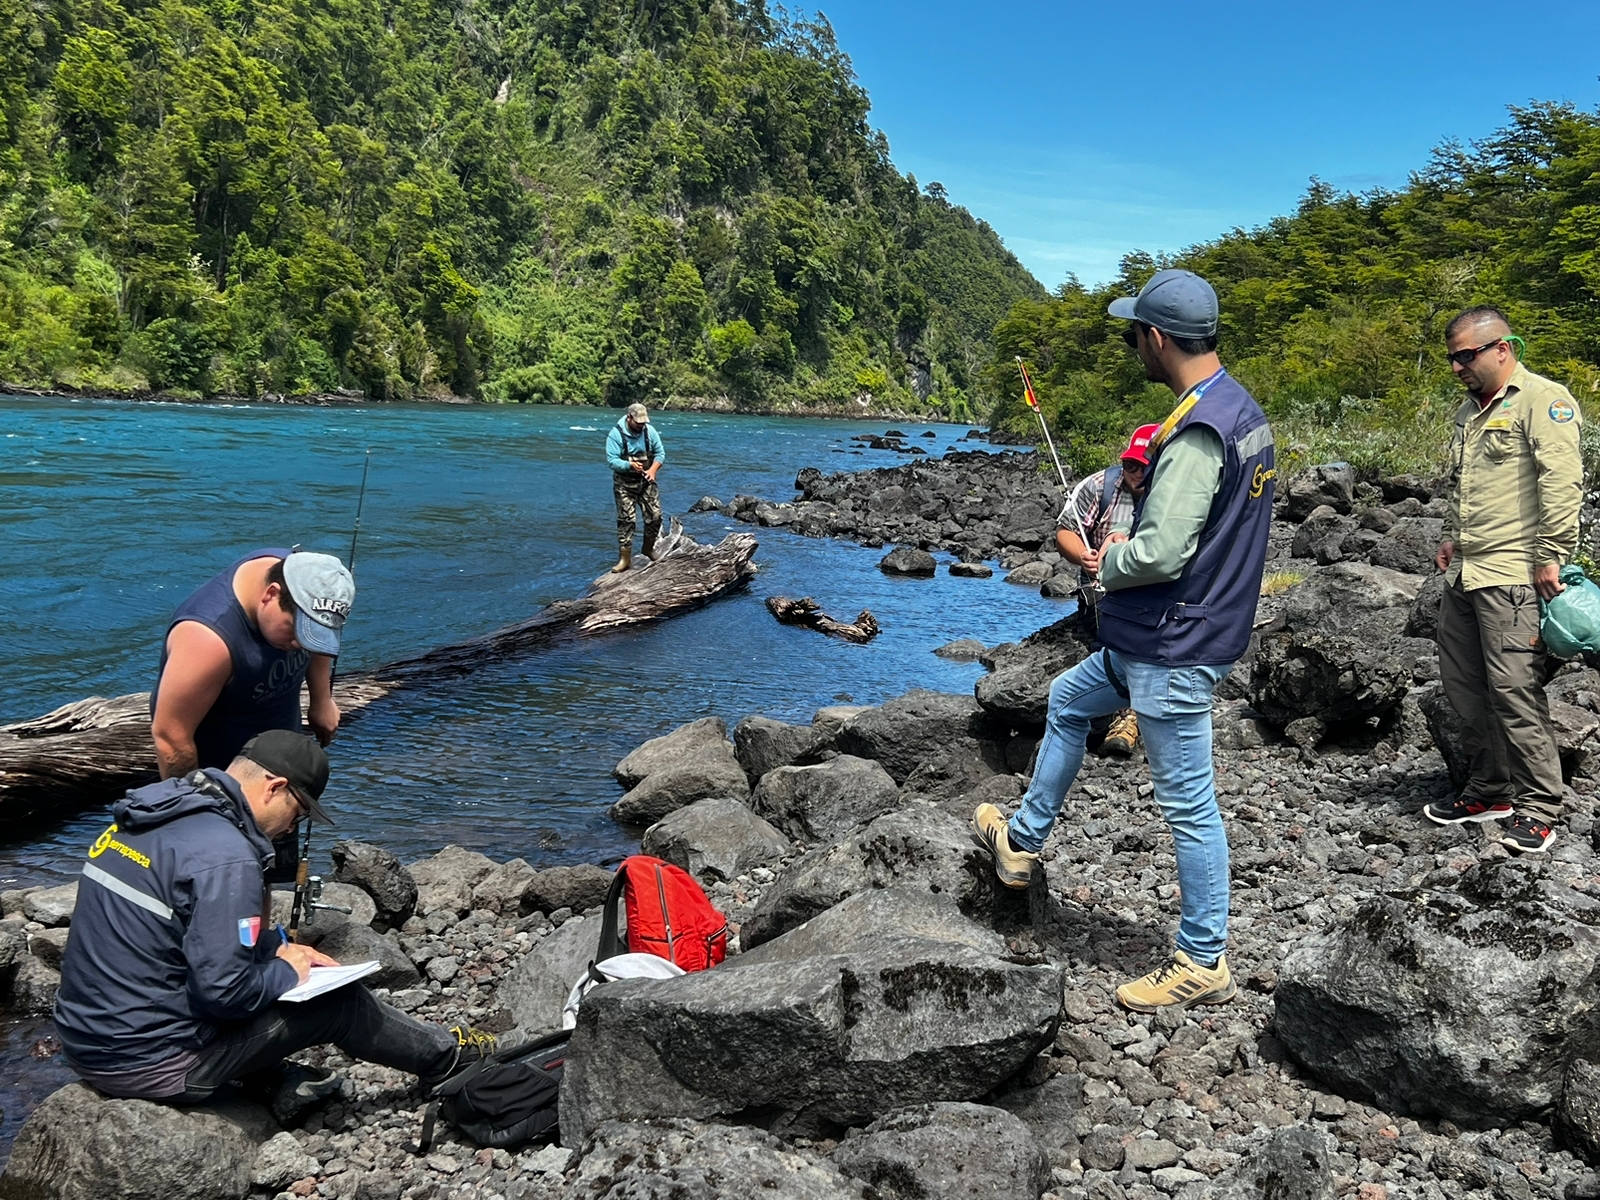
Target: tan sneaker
(1014, 867)
(1123, 735)
(1179, 984)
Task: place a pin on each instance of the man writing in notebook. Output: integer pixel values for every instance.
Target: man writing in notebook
(172, 975)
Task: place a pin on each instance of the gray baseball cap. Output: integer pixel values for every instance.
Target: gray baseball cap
(638, 414)
(323, 591)
(1175, 302)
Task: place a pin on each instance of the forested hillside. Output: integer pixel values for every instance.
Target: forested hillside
(1335, 316)
(596, 201)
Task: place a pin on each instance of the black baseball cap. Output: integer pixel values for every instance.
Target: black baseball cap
(297, 758)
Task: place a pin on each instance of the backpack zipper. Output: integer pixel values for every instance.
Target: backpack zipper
(666, 917)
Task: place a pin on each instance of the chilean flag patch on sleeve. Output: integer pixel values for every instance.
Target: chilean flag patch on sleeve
(249, 930)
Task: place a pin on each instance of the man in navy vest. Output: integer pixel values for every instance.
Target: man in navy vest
(237, 652)
(1181, 587)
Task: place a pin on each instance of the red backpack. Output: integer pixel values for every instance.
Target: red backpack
(668, 916)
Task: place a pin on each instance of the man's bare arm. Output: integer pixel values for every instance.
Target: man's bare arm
(322, 712)
(198, 668)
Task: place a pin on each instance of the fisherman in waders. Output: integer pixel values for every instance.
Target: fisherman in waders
(1181, 589)
(635, 454)
(1118, 489)
(239, 649)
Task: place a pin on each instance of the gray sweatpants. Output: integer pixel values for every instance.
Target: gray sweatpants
(1493, 666)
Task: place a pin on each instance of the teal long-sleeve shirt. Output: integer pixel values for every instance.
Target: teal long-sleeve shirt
(622, 444)
(1187, 476)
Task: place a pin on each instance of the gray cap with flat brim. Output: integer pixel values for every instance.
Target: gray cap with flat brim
(1175, 302)
(323, 592)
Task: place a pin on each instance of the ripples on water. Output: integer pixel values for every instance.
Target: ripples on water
(475, 517)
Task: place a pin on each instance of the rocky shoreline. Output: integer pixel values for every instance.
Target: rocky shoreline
(1414, 1015)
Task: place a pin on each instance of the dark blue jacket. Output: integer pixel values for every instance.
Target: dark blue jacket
(171, 934)
(1206, 614)
(264, 690)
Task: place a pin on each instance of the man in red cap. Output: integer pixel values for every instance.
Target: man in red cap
(1111, 495)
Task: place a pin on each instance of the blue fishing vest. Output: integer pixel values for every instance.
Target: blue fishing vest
(1205, 615)
(264, 690)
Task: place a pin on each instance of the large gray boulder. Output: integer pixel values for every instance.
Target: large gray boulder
(715, 839)
(1409, 546)
(714, 773)
(955, 1151)
(683, 744)
(1577, 1117)
(318, 921)
(917, 847)
(917, 728)
(1293, 1163)
(1321, 535)
(861, 919)
(685, 1160)
(762, 744)
(446, 879)
(380, 874)
(535, 990)
(822, 802)
(818, 1043)
(1350, 598)
(1423, 622)
(579, 888)
(1325, 678)
(908, 560)
(1331, 484)
(78, 1145)
(33, 986)
(1466, 1004)
(1016, 692)
(52, 906)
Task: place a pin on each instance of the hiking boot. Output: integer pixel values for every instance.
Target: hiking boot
(1014, 867)
(1179, 984)
(1123, 735)
(1459, 809)
(624, 560)
(302, 1088)
(1527, 834)
(473, 1045)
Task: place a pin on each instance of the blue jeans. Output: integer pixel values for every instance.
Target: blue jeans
(1174, 707)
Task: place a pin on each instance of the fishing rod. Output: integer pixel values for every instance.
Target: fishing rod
(308, 887)
(1032, 398)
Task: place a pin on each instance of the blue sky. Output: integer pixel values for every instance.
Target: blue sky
(1081, 131)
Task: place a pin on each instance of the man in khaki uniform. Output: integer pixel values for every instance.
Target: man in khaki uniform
(1516, 481)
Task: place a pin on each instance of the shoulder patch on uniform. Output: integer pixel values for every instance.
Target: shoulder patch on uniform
(1561, 412)
(249, 930)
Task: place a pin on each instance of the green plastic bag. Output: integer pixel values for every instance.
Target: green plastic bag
(1570, 624)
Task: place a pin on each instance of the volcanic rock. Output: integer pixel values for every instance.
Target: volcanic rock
(714, 773)
(1331, 484)
(579, 888)
(950, 1150)
(378, 873)
(715, 839)
(684, 744)
(818, 803)
(908, 560)
(918, 728)
(762, 744)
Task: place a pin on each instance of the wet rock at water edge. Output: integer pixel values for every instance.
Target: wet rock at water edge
(706, 504)
(762, 744)
(962, 650)
(78, 1145)
(684, 744)
(1030, 574)
(908, 560)
(956, 1151)
(715, 839)
(51, 906)
(380, 874)
(971, 570)
(715, 774)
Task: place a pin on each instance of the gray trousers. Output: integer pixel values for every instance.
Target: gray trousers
(1493, 666)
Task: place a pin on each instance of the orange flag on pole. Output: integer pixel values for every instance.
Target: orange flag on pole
(1028, 393)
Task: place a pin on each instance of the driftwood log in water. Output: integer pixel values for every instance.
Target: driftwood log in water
(805, 612)
(89, 752)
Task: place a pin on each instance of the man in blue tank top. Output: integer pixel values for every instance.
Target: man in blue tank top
(1181, 587)
(237, 652)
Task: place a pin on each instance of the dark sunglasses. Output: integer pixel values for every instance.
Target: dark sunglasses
(1129, 464)
(1131, 336)
(1463, 357)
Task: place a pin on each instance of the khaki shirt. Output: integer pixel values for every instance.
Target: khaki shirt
(1516, 482)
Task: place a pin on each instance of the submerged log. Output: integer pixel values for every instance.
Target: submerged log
(804, 612)
(88, 752)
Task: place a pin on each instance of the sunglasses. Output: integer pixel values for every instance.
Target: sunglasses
(1137, 468)
(1130, 335)
(1463, 357)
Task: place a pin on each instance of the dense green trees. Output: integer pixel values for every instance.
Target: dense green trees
(1334, 316)
(593, 200)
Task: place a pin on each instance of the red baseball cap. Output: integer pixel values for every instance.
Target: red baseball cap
(1139, 444)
